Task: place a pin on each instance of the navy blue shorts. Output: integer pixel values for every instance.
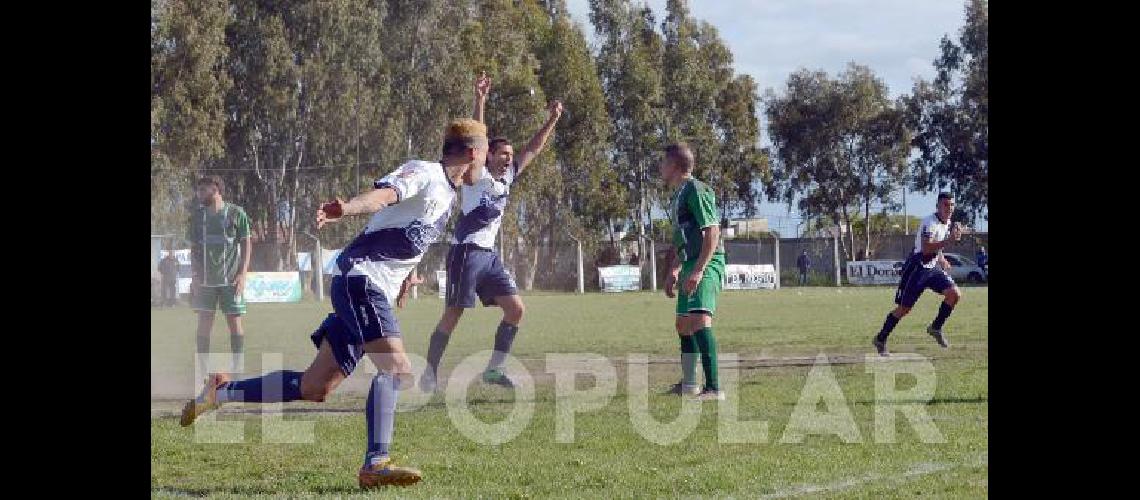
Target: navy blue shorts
(915, 279)
(362, 314)
(476, 272)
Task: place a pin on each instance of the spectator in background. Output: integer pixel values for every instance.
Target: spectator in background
(634, 260)
(168, 270)
(804, 263)
(983, 259)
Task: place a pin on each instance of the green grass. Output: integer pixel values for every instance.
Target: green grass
(608, 458)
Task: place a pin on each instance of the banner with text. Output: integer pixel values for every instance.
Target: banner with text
(273, 287)
(619, 278)
(749, 277)
(874, 272)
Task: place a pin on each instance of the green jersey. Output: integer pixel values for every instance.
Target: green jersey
(692, 209)
(215, 241)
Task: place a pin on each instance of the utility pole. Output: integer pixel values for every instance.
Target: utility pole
(356, 188)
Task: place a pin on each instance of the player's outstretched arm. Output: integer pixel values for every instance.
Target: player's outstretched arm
(363, 204)
(534, 147)
(482, 88)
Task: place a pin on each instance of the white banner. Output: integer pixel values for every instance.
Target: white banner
(749, 277)
(272, 287)
(874, 272)
(619, 278)
(304, 261)
(329, 258)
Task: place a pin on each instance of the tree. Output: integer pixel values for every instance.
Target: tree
(188, 86)
(712, 109)
(629, 64)
(592, 194)
(840, 145)
(740, 163)
(306, 76)
(951, 118)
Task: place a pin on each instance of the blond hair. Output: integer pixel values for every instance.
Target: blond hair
(463, 134)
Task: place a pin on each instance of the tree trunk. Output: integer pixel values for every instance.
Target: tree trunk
(530, 273)
(552, 258)
(847, 250)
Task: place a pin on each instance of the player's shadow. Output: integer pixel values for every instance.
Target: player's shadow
(935, 401)
(442, 403)
(346, 489)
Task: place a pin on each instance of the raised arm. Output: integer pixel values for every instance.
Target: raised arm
(482, 88)
(534, 147)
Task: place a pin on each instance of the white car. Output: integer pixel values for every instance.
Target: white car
(965, 270)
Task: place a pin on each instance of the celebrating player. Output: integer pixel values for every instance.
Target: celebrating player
(416, 200)
(926, 268)
(698, 265)
(219, 257)
(474, 270)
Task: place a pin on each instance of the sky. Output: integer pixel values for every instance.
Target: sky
(770, 39)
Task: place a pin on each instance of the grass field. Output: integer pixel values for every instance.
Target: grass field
(608, 458)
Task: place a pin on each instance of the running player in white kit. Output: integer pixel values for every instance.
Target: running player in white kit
(926, 268)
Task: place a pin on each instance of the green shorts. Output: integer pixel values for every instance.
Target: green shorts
(212, 298)
(704, 298)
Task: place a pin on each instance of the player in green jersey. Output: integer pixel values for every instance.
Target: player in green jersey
(698, 265)
(219, 254)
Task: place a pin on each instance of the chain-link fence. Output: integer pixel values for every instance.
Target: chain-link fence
(554, 266)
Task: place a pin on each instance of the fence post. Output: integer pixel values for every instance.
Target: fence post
(581, 269)
(835, 253)
(776, 257)
(318, 269)
(652, 265)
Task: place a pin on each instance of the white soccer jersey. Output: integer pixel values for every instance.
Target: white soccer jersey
(397, 236)
(934, 229)
(483, 205)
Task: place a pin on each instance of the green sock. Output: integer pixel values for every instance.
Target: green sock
(689, 352)
(706, 342)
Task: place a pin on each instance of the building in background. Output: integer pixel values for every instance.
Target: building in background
(740, 227)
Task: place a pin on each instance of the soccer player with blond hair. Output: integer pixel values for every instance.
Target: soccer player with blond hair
(416, 200)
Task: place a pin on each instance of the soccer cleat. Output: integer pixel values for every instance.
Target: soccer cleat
(938, 336)
(496, 377)
(206, 401)
(710, 395)
(683, 389)
(881, 347)
(427, 381)
(383, 473)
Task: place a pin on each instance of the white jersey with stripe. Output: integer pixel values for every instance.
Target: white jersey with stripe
(482, 207)
(396, 237)
(935, 230)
